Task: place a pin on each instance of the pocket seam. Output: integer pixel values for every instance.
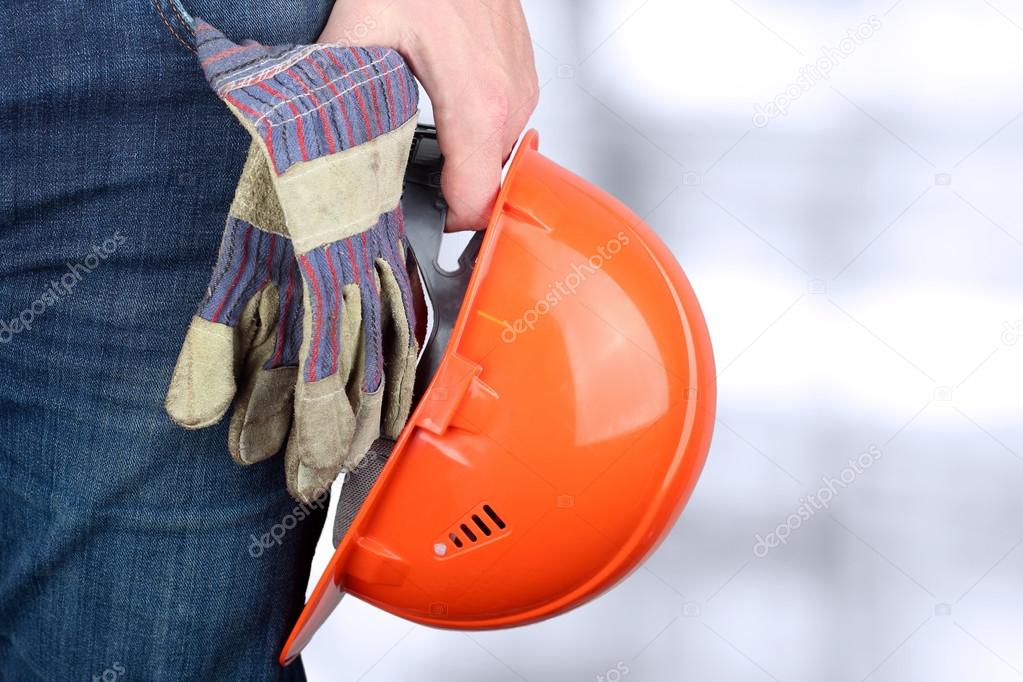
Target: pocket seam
(166, 22)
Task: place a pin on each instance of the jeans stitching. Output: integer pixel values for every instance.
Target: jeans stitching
(175, 5)
(166, 22)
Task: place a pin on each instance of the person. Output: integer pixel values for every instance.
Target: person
(132, 548)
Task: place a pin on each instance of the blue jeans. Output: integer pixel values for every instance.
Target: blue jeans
(128, 546)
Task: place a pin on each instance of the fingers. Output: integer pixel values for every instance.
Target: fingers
(479, 117)
(305, 484)
(324, 424)
(473, 151)
(402, 351)
(476, 141)
(475, 60)
(202, 385)
(324, 415)
(262, 413)
(366, 385)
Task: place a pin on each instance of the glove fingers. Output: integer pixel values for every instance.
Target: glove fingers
(350, 357)
(367, 426)
(216, 343)
(324, 417)
(305, 484)
(367, 384)
(202, 385)
(263, 408)
(324, 423)
(365, 402)
(401, 352)
(261, 419)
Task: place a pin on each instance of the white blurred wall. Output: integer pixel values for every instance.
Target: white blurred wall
(858, 259)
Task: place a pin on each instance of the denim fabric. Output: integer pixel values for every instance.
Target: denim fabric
(126, 543)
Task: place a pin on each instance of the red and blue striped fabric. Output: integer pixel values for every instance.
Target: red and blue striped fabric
(358, 260)
(249, 260)
(309, 101)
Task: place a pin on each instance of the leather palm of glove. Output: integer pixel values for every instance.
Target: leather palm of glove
(333, 128)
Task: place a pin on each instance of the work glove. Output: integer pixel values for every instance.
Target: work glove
(249, 324)
(334, 125)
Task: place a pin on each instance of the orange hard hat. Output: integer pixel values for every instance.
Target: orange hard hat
(559, 437)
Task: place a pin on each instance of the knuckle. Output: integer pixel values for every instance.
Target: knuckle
(532, 95)
(493, 102)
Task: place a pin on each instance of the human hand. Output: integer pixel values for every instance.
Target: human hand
(475, 60)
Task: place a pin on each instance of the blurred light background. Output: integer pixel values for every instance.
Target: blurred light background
(858, 258)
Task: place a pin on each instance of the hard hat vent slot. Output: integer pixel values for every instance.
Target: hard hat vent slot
(478, 527)
(482, 526)
(493, 516)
